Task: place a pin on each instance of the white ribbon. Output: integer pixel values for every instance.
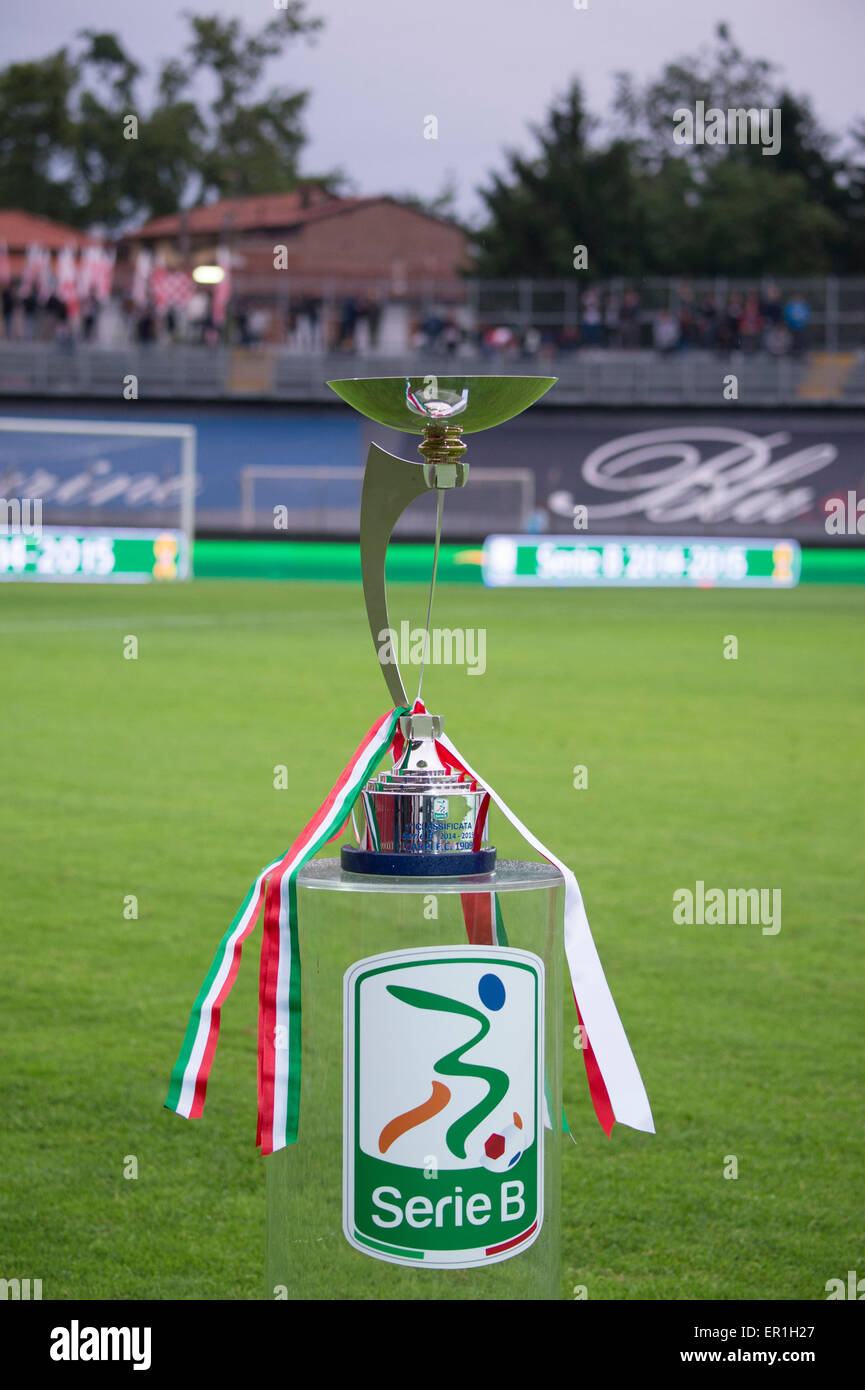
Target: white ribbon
(597, 1009)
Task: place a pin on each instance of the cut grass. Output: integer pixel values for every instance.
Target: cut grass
(154, 777)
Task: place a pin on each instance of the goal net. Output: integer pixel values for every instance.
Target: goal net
(325, 500)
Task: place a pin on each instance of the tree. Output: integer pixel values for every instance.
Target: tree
(643, 204)
(252, 146)
(724, 74)
(570, 193)
(856, 197)
(36, 136)
(729, 208)
(79, 145)
(126, 163)
(749, 222)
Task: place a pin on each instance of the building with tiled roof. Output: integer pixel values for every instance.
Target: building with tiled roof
(310, 239)
(22, 229)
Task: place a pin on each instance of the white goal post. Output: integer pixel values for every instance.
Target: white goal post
(520, 480)
(185, 435)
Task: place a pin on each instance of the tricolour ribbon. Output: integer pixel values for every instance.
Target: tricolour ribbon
(615, 1084)
(279, 1047)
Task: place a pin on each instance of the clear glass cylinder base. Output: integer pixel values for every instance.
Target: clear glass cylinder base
(428, 1162)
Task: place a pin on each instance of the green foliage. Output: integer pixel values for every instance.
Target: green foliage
(37, 136)
(643, 204)
(69, 150)
(736, 221)
(569, 193)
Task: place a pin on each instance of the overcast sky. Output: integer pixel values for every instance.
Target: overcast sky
(484, 68)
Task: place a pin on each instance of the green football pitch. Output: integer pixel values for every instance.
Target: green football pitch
(154, 777)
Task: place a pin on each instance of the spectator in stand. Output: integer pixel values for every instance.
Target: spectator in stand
(452, 337)
(591, 318)
(30, 308)
(531, 343)
(548, 344)
(363, 331)
(629, 319)
(611, 320)
(145, 330)
(778, 340)
(210, 332)
(89, 318)
(797, 316)
(503, 340)
(771, 308)
(568, 339)
(432, 328)
(348, 323)
(751, 325)
(8, 311)
(707, 322)
(688, 326)
(308, 328)
(666, 331)
(260, 324)
(375, 316)
(56, 310)
(241, 324)
(728, 328)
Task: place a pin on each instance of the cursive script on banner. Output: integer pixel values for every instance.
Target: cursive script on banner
(703, 473)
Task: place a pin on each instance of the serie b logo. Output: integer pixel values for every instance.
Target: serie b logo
(444, 1058)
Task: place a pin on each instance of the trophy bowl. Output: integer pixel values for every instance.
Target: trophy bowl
(413, 403)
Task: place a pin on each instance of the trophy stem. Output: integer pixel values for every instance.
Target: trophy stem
(440, 500)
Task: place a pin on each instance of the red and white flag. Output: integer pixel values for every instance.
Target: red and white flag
(96, 272)
(37, 277)
(222, 292)
(67, 281)
(172, 289)
(47, 281)
(106, 274)
(141, 279)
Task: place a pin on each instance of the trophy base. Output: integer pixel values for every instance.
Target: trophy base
(372, 861)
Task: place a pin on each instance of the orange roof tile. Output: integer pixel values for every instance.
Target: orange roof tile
(18, 229)
(241, 214)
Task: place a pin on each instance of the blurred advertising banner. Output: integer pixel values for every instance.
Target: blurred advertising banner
(296, 472)
(91, 555)
(630, 562)
(676, 473)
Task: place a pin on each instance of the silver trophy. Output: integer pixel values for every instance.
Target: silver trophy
(424, 816)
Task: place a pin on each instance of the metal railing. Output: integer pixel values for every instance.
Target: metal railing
(587, 377)
(837, 305)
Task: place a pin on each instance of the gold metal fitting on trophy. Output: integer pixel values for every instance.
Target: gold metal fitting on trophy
(442, 448)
